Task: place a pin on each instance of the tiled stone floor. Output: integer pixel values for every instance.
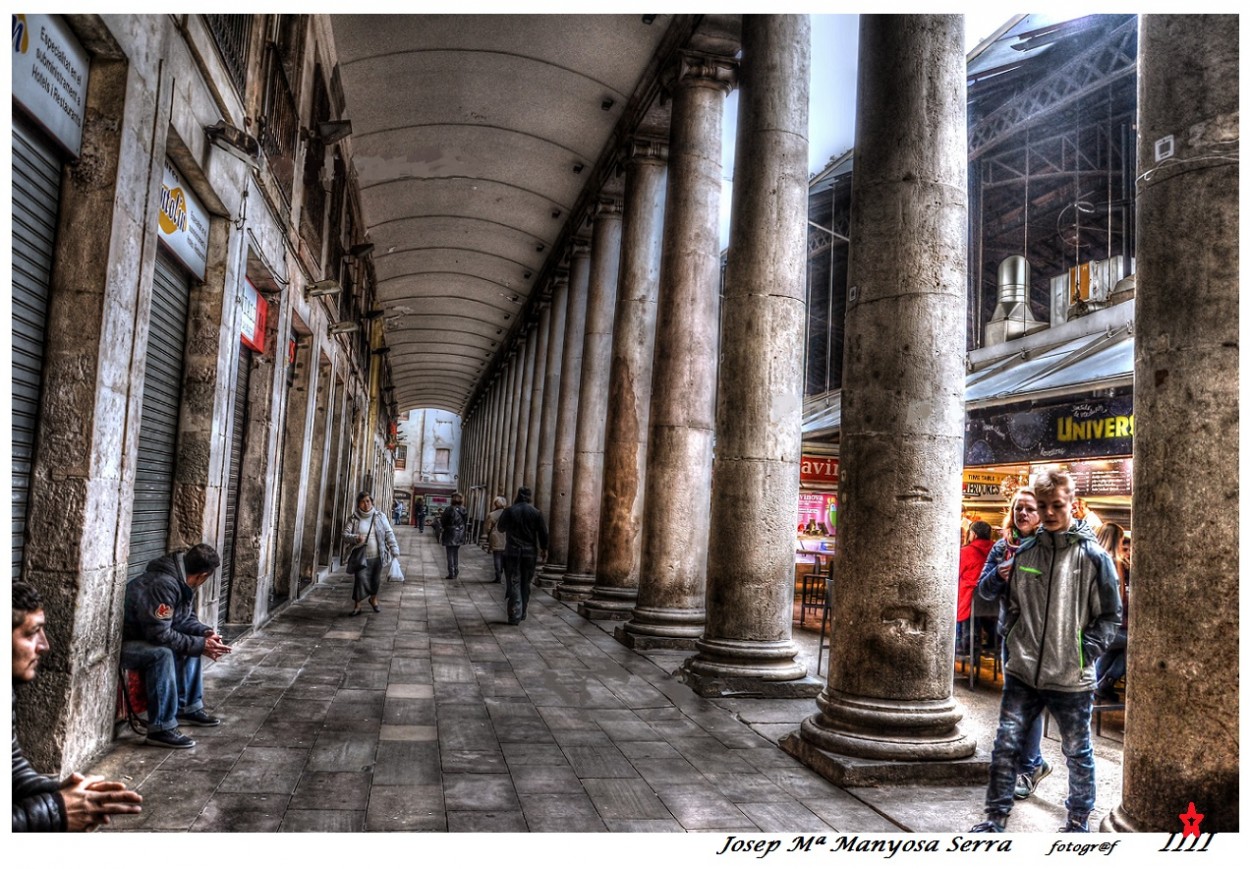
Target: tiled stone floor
(436, 715)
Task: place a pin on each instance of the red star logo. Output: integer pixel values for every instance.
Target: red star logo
(1191, 819)
(164, 611)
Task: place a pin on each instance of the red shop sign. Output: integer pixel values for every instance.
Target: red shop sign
(819, 469)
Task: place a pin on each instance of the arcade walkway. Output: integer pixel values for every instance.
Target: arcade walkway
(436, 715)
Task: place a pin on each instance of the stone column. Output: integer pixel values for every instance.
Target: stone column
(500, 391)
(605, 266)
(1181, 717)
(530, 475)
(670, 612)
(629, 388)
(523, 413)
(566, 420)
(551, 395)
(514, 416)
(889, 697)
(747, 645)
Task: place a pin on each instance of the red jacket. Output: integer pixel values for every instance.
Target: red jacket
(971, 562)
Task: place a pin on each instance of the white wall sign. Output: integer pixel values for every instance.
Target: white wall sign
(183, 222)
(50, 71)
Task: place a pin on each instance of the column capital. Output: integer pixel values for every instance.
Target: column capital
(579, 247)
(609, 207)
(644, 150)
(699, 69)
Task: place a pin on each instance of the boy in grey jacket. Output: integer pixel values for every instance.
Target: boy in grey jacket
(1063, 607)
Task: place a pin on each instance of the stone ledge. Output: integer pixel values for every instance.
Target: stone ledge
(642, 642)
(743, 686)
(845, 771)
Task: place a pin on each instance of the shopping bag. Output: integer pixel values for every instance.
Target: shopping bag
(397, 573)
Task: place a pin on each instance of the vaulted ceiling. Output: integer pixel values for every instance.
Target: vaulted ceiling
(477, 142)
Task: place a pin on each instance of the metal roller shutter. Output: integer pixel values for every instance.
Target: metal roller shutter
(158, 426)
(242, 380)
(36, 193)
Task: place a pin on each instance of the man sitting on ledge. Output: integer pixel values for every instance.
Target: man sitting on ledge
(162, 639)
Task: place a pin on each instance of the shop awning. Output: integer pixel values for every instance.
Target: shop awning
(1099, 361)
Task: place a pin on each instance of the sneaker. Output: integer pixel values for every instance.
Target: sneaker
(990, 825)
(1027, 782)
(198, 718)
(169, 739)
(1075, 825)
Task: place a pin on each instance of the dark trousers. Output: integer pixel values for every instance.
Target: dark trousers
(1021, 707)
(501, 568)
(519, 571)
(453, 561)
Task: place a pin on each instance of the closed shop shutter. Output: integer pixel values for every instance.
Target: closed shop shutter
(158, 427)
(36, 192)
(242, 380)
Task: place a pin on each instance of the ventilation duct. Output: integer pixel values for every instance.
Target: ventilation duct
(1013, 318)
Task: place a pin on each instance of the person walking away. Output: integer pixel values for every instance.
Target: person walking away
(1020, 523)
(42, 804)
(419, 511)
(453, 522)
(497, 539)
(163, 640)
(526, 534)
(1113, 663)
(971, 561)
(1063, 607)
(369, 527)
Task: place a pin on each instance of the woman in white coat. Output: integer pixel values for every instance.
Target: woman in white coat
(371, 529)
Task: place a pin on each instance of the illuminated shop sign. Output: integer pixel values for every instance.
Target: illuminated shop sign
(818, 470)
(1049, 431)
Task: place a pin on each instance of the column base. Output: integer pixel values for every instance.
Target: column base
(846, 771)
(609, 602)
(550, 576)
(645, 642)
(575, 587)
(762, 669)
(875, 728)
(1120, 821)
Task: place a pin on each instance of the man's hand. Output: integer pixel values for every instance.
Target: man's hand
(1004, 570)
(90, 801)
(214, 648)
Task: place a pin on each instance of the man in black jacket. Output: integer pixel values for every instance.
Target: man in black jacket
(526, 545)
(162, 639)
(42, 804)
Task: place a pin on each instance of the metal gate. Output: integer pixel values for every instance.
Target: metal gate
(242, 380)
(36, 193)
(158, 425)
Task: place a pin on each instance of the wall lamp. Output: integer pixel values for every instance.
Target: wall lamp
(232, 140)
(328, 287)
(342, 327)
(330, 132)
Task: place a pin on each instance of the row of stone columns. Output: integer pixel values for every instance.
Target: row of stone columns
(887, 711)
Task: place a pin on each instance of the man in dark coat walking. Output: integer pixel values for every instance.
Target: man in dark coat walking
(42, 804)
(526, 545)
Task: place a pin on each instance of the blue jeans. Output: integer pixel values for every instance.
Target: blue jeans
(173, 683)
(1022, 706)
(519, 571)
(453, 560)
(1031, 750)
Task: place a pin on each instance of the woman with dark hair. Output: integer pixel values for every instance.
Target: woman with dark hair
(1112, 664)
(452, 522)
(369, 527)
(971, 560)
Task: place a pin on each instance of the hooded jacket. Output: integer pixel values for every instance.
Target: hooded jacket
(159, 608)
(971, 562)
(1063, 607)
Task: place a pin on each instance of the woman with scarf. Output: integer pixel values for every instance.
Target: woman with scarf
(369, 527)
(1020, 523)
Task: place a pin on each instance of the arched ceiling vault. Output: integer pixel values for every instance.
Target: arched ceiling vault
(478, 142)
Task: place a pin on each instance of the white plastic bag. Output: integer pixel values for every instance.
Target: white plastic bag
(397, 573)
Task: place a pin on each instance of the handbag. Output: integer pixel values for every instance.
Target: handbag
(356, 559)
(397, 573)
